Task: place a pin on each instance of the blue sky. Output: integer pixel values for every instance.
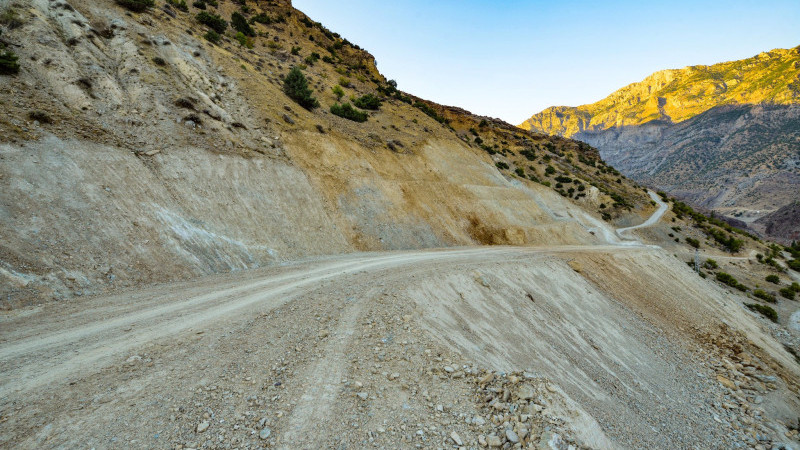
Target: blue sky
(511, 59)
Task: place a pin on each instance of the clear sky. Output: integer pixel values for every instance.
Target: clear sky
(511, 59)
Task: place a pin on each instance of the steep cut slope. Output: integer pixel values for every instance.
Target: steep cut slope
(724, 137)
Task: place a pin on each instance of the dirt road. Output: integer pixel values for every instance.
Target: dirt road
(389, 349)
(62, 340)
(653, 219)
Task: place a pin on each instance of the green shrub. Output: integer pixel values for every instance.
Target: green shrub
(312, 58)
(549, 170)
(295, 86)
(788, 293)
(795, 287)
(563, 179)
(136, 5)
(347, 111)
(239, 23)
(794, 264)
(763, 295)
(10, 18)
(40, 116)
(212, 36)
(179, 4)
(711, 264)
(429, 111)
(693, 242)
(199, 4)
(520, 172)
(213, 21)
(8, 62)
(765, 310)
(730, 281)
(773, 279)
(244, 41)
(338, 92)
(262, 18)
(369, 101)
(501, 165)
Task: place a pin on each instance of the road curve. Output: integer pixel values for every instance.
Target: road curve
(66, 340)
(652, 220)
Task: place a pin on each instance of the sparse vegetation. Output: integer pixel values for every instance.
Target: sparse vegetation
(212, 36)
(179, 4)
(347, 111)
(296, 87)
(10, 18)
(8, 61)
(136, 5)
(338, 92)
(764, 295)
(312, 58)
(262, 18)
(765, 311)
(40, 116)
(368, 101)
(428, 110)
(244, 41)
(728, 279)
(213, 21)
(239, 23)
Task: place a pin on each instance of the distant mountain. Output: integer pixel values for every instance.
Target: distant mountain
(724, 137)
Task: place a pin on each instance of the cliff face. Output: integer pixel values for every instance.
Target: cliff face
(724, 137)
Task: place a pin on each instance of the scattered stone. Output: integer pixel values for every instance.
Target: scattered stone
(456, 438)
(449, 369)
(363, 395)
(203, 426)
(265, 433)
(511, 436)
(526, 392)
(494, 441)
(726, 382)
(288, 119)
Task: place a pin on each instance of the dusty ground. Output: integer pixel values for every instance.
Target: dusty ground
(395, 350)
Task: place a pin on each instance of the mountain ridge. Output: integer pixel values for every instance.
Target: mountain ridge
(659, 97)
(724, 137)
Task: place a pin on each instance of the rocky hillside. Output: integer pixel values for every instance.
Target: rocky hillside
(140, 145)
(725, 137)
(783, 223)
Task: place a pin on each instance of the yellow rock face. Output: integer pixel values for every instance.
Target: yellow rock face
(679, 94)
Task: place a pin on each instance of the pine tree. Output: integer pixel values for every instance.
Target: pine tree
(295, 86)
